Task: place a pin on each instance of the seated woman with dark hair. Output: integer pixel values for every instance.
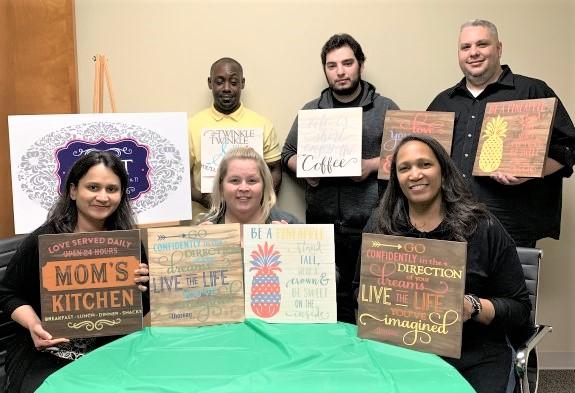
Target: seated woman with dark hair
(427, 198)
(243, 191)
(95, 200)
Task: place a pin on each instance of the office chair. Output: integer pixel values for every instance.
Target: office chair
(8, 247)
(526, 367)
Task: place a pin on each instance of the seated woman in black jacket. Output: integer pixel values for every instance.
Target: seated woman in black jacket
(95, 200)
(427, 198)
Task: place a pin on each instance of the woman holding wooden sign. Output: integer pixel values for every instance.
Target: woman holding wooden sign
(243, 191)
(95, 199)
(428, 198)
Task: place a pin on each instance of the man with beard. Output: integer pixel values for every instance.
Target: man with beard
(226, 81)
(529, 209)
(345, 202)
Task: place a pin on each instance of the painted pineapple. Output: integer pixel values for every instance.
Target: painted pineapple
(492, 149)
(265, 292)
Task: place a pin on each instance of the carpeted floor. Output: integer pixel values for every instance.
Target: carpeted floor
(556, 381)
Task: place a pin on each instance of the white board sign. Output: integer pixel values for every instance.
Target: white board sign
(153, 146)
(290, 273)
(217, 141)
(329, 142)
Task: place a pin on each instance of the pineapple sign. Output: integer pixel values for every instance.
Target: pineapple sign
(196, 275)
(515, 137)
(290, 273)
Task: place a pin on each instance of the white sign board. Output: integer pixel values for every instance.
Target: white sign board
(290, 273)
(329, 142)
(215, 144)
(153, 146)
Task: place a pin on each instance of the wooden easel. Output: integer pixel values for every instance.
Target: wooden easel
(101, 73)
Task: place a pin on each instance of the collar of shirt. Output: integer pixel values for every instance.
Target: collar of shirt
(235, 116)
(505, 80)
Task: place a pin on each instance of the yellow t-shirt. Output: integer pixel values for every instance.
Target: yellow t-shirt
(241, 118)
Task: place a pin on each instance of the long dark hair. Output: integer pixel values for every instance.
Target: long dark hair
(64, 213)
(461, 212)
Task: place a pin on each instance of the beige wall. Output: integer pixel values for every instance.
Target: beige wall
(160, 53)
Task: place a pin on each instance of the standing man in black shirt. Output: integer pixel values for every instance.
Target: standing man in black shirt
(530, 209)
(343, 201)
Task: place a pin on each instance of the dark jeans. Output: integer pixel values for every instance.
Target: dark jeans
(43, 365)
(347, 250)
(486, 366)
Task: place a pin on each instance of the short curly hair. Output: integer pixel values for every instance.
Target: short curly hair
(337, 41)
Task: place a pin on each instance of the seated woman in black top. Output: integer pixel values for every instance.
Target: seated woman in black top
(95, 200)
(427, 197)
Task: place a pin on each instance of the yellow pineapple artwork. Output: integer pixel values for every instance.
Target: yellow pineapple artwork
(492, 149)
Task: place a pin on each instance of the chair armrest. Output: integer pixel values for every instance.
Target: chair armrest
(524, 350)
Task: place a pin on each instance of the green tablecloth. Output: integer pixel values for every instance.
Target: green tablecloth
(255, 357)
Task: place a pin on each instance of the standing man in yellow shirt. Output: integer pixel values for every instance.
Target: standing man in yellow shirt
(226, 81)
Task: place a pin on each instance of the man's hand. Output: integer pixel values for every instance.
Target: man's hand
(312, 181)
(368, 166)
(508, 180)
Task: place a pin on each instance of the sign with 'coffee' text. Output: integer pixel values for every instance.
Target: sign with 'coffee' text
(329, 142)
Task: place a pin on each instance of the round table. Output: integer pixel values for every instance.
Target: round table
(255, 356)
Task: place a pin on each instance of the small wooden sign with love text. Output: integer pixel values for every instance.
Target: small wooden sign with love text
(399, 124)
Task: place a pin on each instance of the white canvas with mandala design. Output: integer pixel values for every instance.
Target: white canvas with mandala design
(153, 147)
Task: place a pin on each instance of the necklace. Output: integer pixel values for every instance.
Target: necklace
(419, 226)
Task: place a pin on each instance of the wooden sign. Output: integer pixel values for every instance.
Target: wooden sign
(196, 275)
(515, 137)
(87, 283)
(329, 142)
(290, 273)
(215, 144)
(411, 292)
(399, 124)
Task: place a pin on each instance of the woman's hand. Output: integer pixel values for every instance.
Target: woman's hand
(42, 339)
(142, 276)
(27, 317)
(486, 314)
(280, 222)
(206, 223)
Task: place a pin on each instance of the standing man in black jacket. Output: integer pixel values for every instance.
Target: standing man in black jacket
(529, 209)
(345, 202)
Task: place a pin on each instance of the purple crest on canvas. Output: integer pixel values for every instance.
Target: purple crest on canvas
(133, 155)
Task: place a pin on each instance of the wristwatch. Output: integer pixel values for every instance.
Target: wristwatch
(476, 303)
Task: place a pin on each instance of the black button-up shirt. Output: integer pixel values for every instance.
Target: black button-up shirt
(531, 210)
